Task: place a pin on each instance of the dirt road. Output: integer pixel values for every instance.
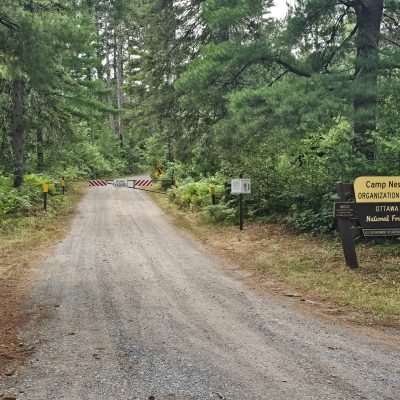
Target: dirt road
(136, 309)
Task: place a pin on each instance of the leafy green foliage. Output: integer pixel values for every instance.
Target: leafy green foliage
(28, 199)
(197, 196)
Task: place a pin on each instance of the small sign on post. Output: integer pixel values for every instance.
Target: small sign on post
(344, 209)
(240, 187)
(45, 190)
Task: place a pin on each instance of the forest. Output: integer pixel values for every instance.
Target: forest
(205, 90)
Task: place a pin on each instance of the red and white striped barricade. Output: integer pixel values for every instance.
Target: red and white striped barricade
(98, 183)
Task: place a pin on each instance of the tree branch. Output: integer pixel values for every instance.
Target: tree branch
(8, 23)
(279, 77)
(347, 3)
(352, 33)
(391, 41)
(291, 68)
(392, 19)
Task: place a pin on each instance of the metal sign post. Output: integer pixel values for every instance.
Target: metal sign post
(241, 211)
(240, 187)
(45, 189)
(63, 185)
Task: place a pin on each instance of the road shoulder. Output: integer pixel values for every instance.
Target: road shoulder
(305, 271)
(22, 250)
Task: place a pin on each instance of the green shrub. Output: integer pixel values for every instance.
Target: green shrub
(26, 199)
(220, 213)
(196, 196)
(70, 174)
(192, 195)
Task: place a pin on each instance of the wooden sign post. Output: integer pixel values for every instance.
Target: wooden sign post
(344, 211)
(373, 210)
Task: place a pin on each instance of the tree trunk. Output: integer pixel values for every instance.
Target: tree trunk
(118, 80)
(369, 17)
(109, 83)
(39, 149)
(99, 45)
(18, 131)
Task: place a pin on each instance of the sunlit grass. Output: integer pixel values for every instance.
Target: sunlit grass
(311, 266)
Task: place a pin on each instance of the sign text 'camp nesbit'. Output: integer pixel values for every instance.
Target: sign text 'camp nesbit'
(377, 189)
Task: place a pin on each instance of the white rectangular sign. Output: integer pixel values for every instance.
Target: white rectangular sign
(240, 186)
(120, 183)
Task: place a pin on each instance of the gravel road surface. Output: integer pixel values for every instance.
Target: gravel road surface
(136, 309)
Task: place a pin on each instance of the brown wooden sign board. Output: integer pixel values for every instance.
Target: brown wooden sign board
(377, 189)
(376, 210)
(379, 219)
(378, 205)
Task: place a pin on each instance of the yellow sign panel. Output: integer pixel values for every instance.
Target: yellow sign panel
(45, 188)
(377, 189)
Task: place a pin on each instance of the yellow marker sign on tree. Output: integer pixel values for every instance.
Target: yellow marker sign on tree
(45, 187)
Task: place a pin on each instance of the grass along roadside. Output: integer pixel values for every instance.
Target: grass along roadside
(24, 241)
(306, 267)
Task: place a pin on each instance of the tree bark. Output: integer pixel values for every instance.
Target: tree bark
(100, 41)
(39, 149)
(109, 82)
(369, 18)
(118, 76)
(18, 130)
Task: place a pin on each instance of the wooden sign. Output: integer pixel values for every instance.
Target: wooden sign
(376, 211)
(378, 205)
(377, 189)
(378, 219)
